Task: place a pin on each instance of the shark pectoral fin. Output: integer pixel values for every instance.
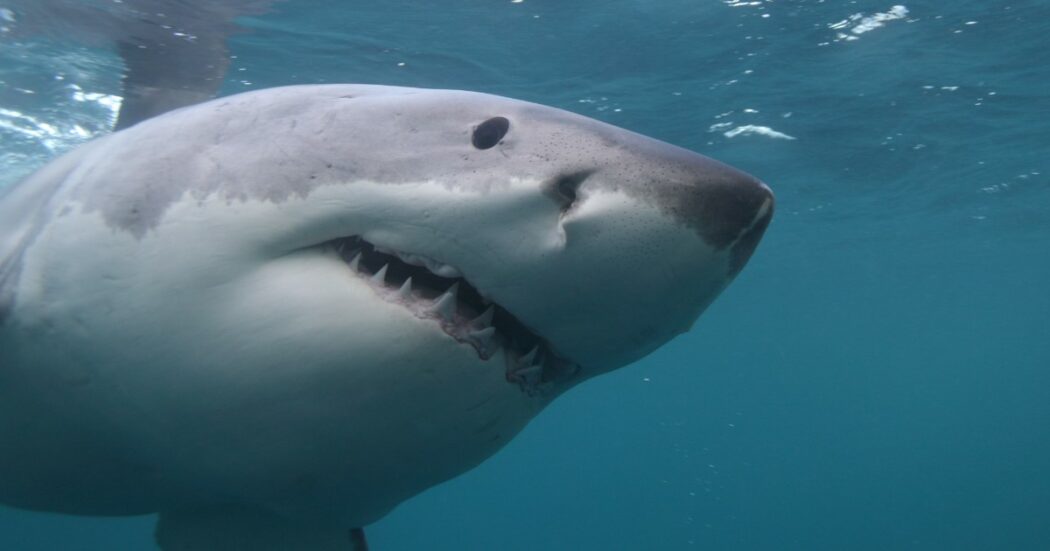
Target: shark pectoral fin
(240, 528)
(164, 75)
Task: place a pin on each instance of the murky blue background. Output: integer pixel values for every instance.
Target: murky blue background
(877, 378)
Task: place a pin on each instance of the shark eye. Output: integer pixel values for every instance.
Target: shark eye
(490, 132)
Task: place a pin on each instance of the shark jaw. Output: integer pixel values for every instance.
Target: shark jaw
(440, 293)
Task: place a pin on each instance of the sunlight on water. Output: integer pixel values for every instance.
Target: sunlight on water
(43, 114)
(859, 23)
(55, 138)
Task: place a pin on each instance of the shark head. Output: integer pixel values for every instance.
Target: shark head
(582, 245)
(591, 245)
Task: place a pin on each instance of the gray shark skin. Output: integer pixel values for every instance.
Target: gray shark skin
(274, 316)
(175, 52)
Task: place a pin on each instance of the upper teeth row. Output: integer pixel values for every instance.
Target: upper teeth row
(439, 268)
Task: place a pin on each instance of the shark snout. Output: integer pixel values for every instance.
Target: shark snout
(742, 209)
(752, 230)
(730, 209)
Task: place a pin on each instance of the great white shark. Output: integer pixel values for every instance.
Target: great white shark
(274, 316)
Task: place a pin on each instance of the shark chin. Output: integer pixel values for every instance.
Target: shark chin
(273, 317)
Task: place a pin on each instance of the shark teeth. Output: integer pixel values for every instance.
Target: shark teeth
(485, 319)
(439, 268)
(528, 369)
(483, 334)
(380, 276)
(530, 355)
(539, 369)
(531, 375)
(438, 292)
(445, 305)
(484, 341)
(405, 292)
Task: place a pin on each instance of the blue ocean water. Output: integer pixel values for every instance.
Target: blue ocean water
(878, 377)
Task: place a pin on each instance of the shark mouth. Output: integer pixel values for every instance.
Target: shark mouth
(435, 291)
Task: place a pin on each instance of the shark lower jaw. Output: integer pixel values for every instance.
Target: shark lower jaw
(439, 293)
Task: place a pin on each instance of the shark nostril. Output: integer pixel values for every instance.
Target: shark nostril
(565, 189)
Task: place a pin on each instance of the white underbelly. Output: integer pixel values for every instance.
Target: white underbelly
(117, 397)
